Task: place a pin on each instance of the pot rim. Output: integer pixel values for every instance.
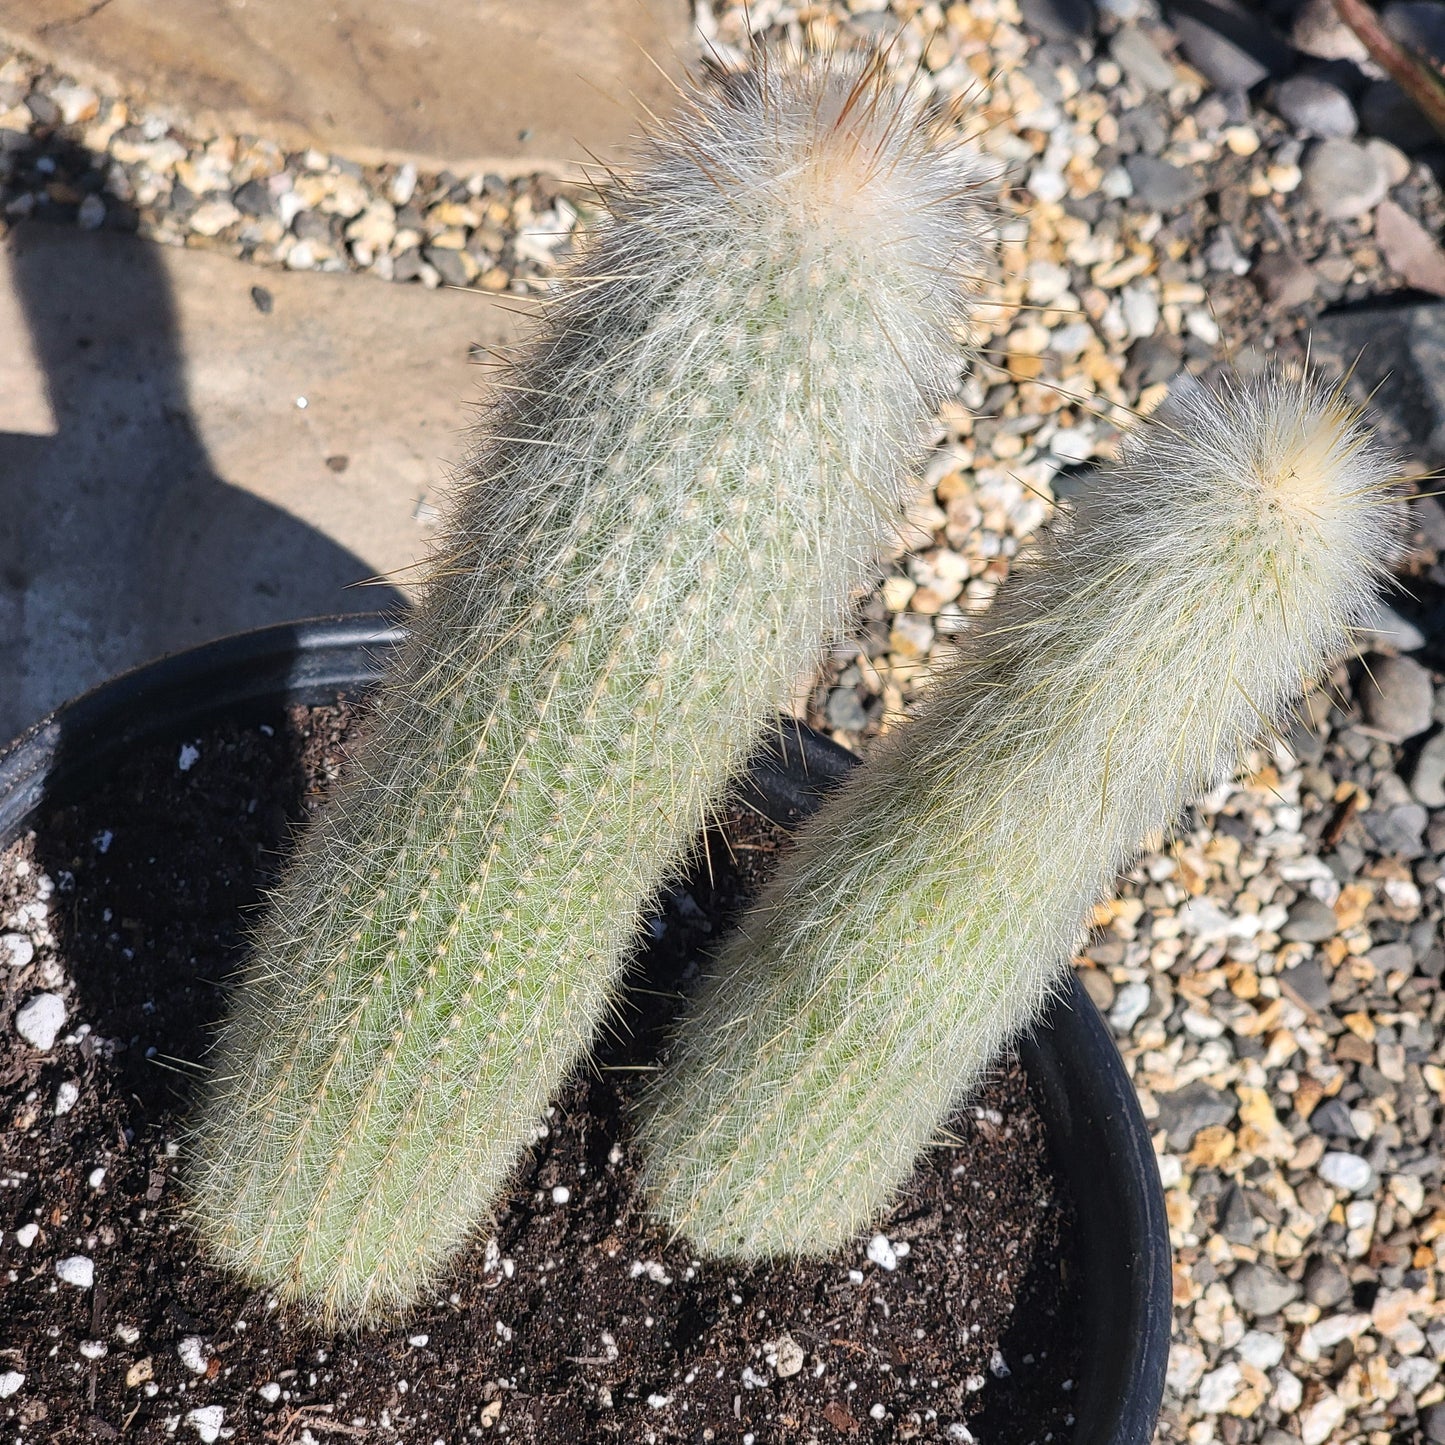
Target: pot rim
(1098, 1136)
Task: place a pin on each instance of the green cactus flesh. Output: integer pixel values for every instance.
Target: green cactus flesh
(932, 904)
(706, 452)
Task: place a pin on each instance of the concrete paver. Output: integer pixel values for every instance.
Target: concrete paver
(177, 462)
(506, 85)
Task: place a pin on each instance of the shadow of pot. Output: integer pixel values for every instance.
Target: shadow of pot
(1097, 1135)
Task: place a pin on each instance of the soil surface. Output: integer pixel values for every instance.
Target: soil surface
(573, 1319)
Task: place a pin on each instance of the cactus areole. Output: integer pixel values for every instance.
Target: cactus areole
(701, 457)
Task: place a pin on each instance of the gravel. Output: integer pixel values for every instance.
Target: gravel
(1167, 221)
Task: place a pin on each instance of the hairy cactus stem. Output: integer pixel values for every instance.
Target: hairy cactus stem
(704, 455)
(931, 906)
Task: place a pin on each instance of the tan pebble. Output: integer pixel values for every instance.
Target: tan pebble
(139, 1373)
(77, 103)
(1242, 140)
(1185, 1290)
(311, 189)
(1361, 1025)
(452, 213)
(953, 487)
(1122, 272)
(910, 638)
(1284, 179)
(898, 593)
(1212, 1146)
(1029, 340)
(1246, 1402)
(1099, 986)
(930, 600)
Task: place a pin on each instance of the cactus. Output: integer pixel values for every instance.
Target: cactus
(931, 905)
(702, 457)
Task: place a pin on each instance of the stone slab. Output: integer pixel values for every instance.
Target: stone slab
(1395, 359)
(504, 85)
(161, 481)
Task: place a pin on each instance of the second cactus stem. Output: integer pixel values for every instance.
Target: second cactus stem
(704, 456)
(931, 905)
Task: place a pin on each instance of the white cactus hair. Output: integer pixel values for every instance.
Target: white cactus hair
(1198, 586)
(700, 461)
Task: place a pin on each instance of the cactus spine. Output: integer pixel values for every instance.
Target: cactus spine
(705, 454)
(930, 906)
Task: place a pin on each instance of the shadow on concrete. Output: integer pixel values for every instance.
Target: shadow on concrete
(118, 541)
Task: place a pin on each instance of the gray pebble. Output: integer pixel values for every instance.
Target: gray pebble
(254, 199)
(1259, 1290)
(1059, 19)
(449, 265)
(1398, 695)
(1227, 43)
(1223, 254)
(1140, 59)
(1309, 921)
(1344, 179)
(1236, 1220)
(1384, 624)
(1188, 1110)
(408, 265)
(1315, 107)
(1160, 186)
(1307, 982)
(1387, 957)
(845, 711)
(1398, 831)
(1331, 1118)
(1130, 1005)
(1427, 782)
(45, 110)
(1325, 1283)
(1395, 353)
(1432, 1424)
(1126, 11)
(1284, 280)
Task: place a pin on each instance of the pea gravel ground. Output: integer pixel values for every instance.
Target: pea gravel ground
(1179, 194)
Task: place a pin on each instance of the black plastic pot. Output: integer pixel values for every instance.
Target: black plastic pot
(1102, 1148)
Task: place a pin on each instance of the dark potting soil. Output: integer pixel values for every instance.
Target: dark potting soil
(573, 1319)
